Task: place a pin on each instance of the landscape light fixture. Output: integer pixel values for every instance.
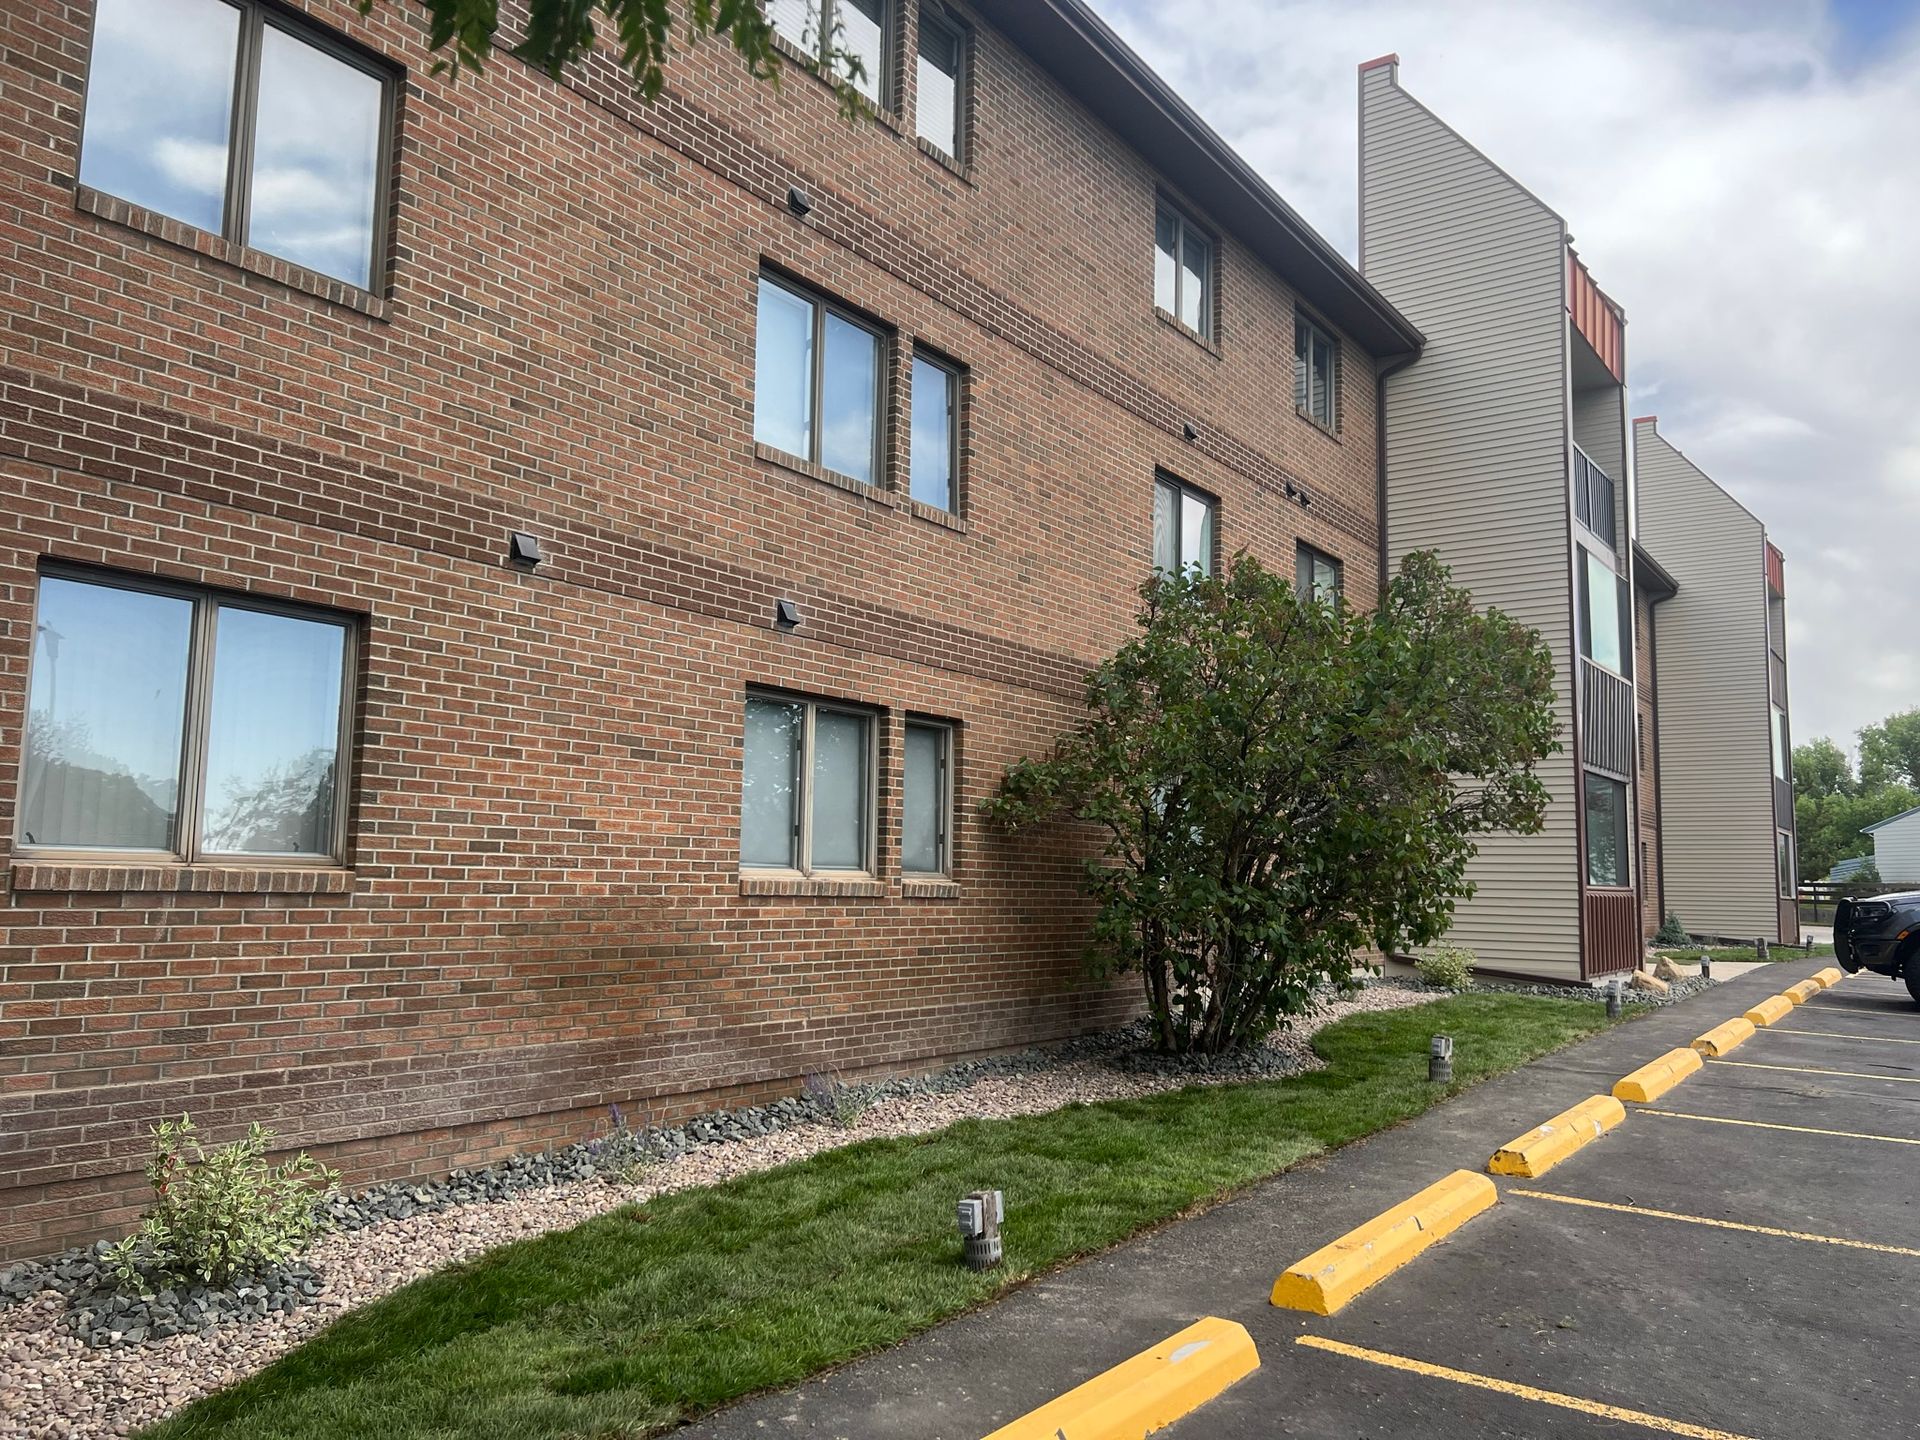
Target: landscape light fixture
(1440, 1060)
(797, 200)
(523, 549)
(786, 615)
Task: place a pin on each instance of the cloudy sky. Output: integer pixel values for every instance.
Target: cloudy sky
(1742, 175)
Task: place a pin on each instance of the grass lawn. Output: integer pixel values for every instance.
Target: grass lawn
(645, 1317)
(1690, 955)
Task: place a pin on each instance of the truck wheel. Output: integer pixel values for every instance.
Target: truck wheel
(1910, 972)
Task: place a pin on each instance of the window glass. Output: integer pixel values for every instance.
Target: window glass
(1606, 831)
(1783, 858)
(1166, 526)
(847, 399)
(1196, 532)
(783, 371)
(106, 711)
(1166, 271)
(863, 36)
(932, 462)
(797, 22)
(923, 835)
(1317, 575)
(273, 734)
(160, 106)
(1779, 743)
(316, 159)
(1315, 377)
(1602, 613)
(839, 791)
(1320, 397)
(769, 800)
(937, 98)
(1302, 363)
(1196, 264)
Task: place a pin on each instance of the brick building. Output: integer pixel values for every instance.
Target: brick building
(510, 598)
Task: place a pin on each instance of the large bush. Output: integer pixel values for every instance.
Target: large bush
(219, 1213)
(1282, 782)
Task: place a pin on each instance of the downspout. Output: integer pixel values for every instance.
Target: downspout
(1381, 376)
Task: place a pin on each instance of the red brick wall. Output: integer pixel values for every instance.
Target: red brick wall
(542, 910)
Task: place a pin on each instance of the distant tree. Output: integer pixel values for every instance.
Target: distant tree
(1282, 782)
(559, 32)
(1821, 767)
(1890, 751)
(1829, 826)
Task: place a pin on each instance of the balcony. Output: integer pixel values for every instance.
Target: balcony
(1593, 498)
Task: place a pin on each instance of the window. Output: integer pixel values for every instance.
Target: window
(816, 382)
(1182, 527)
(940, 115)
(806, 798)
(934, 462)
(1316, 372)
(1183, 271)
(1593, 497)
(1603, 613)
(1316, 574)
(835, 32)
(233, 118)
(1606, 831)
(183, 724)
(1783, 862)
(929, 799)
(1779, 743)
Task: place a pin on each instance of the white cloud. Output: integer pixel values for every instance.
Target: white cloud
(1734, 178)
(191, 164)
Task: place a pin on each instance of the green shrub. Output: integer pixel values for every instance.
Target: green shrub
(1450, 966)
(219, 1213)
(1672, 932)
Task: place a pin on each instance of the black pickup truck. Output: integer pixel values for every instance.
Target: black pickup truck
(1881, 934)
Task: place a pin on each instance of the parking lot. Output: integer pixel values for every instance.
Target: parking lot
(1737, 1259)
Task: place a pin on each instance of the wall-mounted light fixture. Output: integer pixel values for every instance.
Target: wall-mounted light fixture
(786, 615)
(1190, 431)
(798, 201)
(523, 549)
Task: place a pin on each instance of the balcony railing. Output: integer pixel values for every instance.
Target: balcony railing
(1593, 496)
(1606, 720)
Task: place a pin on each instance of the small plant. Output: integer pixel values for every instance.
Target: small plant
(622, 1155)
(1672, 933)
(839, 1103)
(219, 1213)
(1449, 967)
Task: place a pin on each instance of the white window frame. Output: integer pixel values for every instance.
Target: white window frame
(943, 815)
(803, 789)
(1182, 224)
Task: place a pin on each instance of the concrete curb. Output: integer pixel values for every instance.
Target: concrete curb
(1828, 978)
(1651, 1081)
(1154, 1388)
(1545, 1146)
(1804, 991)
(1774, 1007)
(1729, 1035)
(1332, 1275)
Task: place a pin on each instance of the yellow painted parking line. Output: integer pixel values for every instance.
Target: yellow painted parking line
(1844, 1035)
(1718, 1224)
(1515, 1389)
(1153, 1389)
(1774, 1125)
(1814, 1070)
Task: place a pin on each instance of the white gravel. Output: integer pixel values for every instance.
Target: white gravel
(54, 1384)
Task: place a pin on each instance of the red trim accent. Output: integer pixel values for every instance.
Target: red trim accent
(1377, 61)
(1596, 317)
(1776, 569)
(1646, 419)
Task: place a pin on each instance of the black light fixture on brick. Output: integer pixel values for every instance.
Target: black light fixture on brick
(786, 615)
(797, 200)
(1190, 431)
(523, 549)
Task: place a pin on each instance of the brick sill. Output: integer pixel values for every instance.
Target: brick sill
(928, 887)
(934, 515)
(863, 887)
(959, 169)
(1180, 327)
(1328, 431)
(768, 455)
(91, 877)
(242, 257)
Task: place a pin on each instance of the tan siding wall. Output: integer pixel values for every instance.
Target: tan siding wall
(1896, 852)
(1600, 429)
(1476, 453)
(1716, 743)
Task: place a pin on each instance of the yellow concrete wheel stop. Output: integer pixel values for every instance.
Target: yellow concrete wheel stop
(1332, 1275)
(1545, 1146)
(1804, 991)
(1827, 978)
(1153, 1389)
(1770, 1010)
(1722, 1038)
(1650, 1082)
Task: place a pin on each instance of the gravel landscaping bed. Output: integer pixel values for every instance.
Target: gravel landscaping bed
(77, 1360)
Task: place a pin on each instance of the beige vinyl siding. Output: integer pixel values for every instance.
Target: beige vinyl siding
(1600, 429)
(1716, 723)
(1477, 455)
(1896, 851)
